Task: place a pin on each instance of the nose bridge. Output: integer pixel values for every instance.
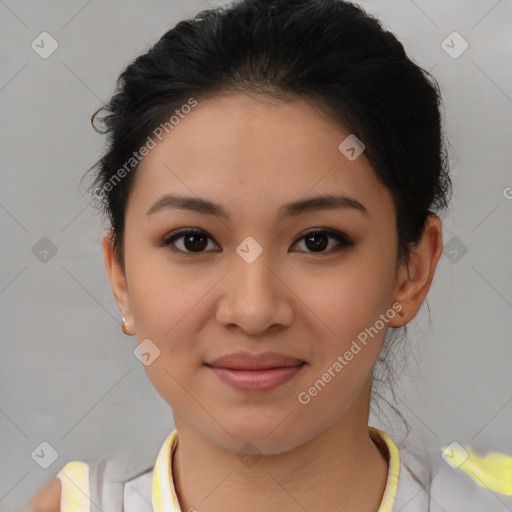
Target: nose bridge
(253, 274)
(254, 299)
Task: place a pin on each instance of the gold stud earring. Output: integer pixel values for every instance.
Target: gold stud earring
(124, 326)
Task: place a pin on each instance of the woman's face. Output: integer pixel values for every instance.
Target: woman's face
(252, 281)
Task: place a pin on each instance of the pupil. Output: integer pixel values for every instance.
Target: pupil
(321, 245)
(195, 245)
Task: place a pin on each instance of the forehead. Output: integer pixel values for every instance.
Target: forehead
(251, 150)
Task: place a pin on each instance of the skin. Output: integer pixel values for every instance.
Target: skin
(252, 154)
(47, 499)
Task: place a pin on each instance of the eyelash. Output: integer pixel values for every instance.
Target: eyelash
(344, 242)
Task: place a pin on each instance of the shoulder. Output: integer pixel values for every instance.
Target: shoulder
(472, 483)
(121, 483)
(437, 486)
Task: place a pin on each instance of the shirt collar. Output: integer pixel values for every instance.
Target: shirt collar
(165, 499)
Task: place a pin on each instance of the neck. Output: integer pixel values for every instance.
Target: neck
(341, 470)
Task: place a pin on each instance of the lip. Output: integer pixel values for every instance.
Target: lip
(248, 361)
(256, 373)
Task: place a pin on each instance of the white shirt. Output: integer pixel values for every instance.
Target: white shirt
(127, 483)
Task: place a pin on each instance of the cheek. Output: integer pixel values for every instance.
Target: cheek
(350, 297)
(349, 308)
(164, 296)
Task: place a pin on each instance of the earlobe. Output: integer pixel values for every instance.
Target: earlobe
(117, 280)
(416, 275)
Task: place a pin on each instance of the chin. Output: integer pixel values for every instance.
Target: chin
(258, 439)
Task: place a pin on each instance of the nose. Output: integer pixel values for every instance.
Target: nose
(255, 297)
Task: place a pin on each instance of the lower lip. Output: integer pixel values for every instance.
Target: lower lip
(256, 380)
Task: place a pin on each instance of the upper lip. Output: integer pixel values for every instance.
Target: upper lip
(248, 361)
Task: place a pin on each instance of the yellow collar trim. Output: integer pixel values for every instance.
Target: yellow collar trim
(164, 494)
(381, 438)
(165, 498)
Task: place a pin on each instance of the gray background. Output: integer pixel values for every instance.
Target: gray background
(68, 376)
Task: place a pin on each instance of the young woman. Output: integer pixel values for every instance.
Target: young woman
(274, 181)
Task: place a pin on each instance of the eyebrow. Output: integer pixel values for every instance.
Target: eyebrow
(312, 204)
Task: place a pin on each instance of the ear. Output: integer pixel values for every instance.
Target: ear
(415, 276)
(117, 279)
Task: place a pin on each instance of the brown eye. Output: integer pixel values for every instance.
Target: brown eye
(193, 241)
(317, 240)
